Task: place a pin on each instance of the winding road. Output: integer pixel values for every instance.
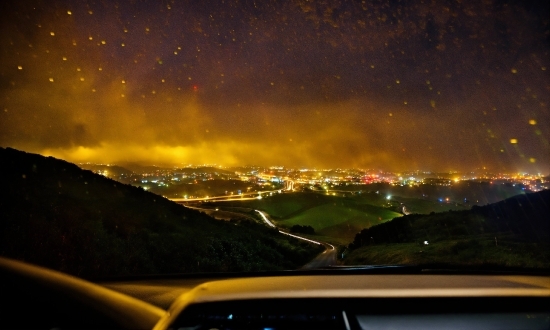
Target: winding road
(324, 259)
(327, 258)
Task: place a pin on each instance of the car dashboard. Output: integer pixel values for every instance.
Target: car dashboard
(37, 298)
(365, 302)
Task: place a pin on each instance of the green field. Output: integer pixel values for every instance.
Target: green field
(284, 205)
(340, 220)
(323, 216)
(338, 217)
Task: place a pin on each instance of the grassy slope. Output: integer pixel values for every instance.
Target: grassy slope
(281, 206)
(513, 232)
(331, 216)
(340, 220)
(480, 251)
(54, 214)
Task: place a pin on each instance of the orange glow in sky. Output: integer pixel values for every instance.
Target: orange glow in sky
(396, 87)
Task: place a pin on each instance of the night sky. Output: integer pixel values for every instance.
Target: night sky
(392, 85)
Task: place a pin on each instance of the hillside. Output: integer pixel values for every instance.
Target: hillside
(54, 214)
(515, 231)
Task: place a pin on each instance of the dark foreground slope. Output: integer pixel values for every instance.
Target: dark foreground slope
(512, 232)
(55, 214)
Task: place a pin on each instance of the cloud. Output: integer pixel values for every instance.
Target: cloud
(308, 85)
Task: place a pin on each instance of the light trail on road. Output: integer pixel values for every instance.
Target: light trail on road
(265, 219)
(300, 237)
(283, 232)
(272, 225)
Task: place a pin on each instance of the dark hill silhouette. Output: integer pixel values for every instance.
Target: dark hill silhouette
(523, 218)
(54, 214)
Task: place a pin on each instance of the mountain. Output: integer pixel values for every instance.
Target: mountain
(55, 214)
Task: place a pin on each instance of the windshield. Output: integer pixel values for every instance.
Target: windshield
(214, 136)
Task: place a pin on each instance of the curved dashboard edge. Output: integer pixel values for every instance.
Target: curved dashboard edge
(383, 288)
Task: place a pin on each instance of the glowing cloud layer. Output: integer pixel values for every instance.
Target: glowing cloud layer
(421, 86)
